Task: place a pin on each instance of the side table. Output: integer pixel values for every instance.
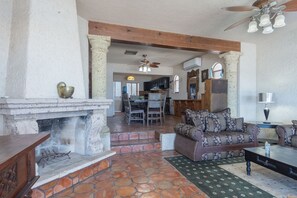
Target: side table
(267, 125)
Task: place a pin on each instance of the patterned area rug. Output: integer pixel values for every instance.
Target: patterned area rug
(215, 181)
(275, 183)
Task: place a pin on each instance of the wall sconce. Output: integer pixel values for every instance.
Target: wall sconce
(130, 78)
(266, 98)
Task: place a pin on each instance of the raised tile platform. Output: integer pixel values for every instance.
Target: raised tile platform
(70, 173)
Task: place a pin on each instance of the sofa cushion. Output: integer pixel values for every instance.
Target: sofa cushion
(196, 118)
(225, 138)
(235, 124)
(212, 123)
(190, 131)
(223, 116)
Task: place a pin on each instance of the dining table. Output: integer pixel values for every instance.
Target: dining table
(139, 103)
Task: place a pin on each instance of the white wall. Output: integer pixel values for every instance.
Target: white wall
(247, 82)
(17, 57)
(83, 30)
(183, 94)
(276, 72)
(44, 49)
(5, 24)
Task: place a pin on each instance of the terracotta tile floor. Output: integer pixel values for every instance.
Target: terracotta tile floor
(143, 174)
(118, 124)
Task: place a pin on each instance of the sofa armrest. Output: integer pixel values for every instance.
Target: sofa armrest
(189, 131)
(284, 133)
(252, 129)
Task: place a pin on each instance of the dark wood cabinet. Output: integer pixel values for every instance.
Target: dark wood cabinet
(181, 105)
(214, 99)
(17, 164)
(160, 83)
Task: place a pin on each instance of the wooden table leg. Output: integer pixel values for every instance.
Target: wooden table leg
(248, 167)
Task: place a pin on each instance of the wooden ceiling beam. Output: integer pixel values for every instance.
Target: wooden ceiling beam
(132, 35)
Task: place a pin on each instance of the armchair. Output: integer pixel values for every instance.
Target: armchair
(287, 135)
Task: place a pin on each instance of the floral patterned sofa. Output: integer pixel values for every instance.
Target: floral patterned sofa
(287, 134)
(209, 136)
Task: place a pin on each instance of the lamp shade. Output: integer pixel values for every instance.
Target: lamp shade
(252, 26)
(264, 20)
(279, 21)
(266, 98)
(268, 29)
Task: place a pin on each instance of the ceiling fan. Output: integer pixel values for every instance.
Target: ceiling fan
(146, 62)
(265, 10)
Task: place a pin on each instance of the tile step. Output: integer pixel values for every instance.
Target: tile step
(122, 136)
(131, 146)
(133, 142)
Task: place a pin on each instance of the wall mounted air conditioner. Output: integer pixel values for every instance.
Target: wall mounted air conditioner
(192, 64)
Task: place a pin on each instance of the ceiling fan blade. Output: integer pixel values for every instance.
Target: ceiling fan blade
(238, 23)
(241, 8)
(155, 63)
(291, 6)
(154, 66)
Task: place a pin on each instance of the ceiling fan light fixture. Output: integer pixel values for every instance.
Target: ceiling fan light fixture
(140, 68)
(252, 26)
(279, 21)
(264, 20)
(268, 29)
(149, 69)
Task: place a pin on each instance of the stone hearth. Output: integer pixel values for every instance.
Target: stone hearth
(21, 116)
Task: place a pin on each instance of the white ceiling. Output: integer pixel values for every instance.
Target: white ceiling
(167, 57)
(193, 17)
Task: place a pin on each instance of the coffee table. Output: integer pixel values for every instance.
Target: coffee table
(281, 159)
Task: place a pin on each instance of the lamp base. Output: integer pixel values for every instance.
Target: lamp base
(266, 113)
(266, 122)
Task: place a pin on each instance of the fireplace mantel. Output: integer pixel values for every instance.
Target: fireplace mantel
(50, 108)
(21, 115)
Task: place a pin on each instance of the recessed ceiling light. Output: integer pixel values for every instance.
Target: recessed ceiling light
(130, 52)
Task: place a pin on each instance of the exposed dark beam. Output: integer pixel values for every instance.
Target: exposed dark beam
(132, 35)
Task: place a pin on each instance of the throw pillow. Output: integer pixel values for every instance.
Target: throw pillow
(212, 123)
(197, 118)
(189, 131)
(223, 116)
(235, 124)
(294, 124)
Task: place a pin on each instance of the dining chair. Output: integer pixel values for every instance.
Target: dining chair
(131, 113)
(163, 97)
(154, 108)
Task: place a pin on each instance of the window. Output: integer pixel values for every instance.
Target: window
(117, 86)
(176, 84)
(133, 89)
(217, 71)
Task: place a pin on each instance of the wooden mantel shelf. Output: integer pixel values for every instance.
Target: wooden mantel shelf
(17, 163)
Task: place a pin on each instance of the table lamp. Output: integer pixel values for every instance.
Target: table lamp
(266, 98)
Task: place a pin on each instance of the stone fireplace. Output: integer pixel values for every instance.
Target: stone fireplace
(76, 125)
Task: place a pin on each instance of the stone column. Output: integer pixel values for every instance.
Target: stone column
(99, 47)
(231, 60)
(20, 126)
